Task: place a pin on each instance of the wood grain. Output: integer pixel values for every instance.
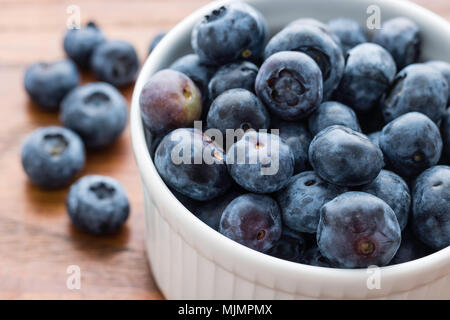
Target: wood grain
(37, 241)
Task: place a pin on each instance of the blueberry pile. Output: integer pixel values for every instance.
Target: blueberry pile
(323, 145)
(94, 115)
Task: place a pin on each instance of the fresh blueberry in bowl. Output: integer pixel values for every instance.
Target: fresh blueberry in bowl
(445, 132)
(416, 88)
(393, 190)
(115, 62)
(297, 137)
(260, 162)
(444, 68)
(333, 113)
(252, 220)
(411, 143)
(401, 37)
(369, 72)
(410, 249)
(232, 76)
(229, 33)
(198, 72)
(349, 32)
(48, 82)
(303, 197)
(237, 109)
(169, 100)
(52, 157)
(319, 24)
(316, 43)
(192, 164)
(314, 257)
(375, 138)
(290, 85)
(98, 205)
(290, 247)
(357, 230)
(431, 207)
(345, 157)
(211, 211)
(80, 43)
(97, 112)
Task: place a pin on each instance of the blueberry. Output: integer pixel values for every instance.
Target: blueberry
(291, 246)
(445, 130)
(300, 201)
(192, 164)
(169, 100)
(393, 190)
(411, 144)
(98, 205)
(52, 157)
(419, 88)
(237, 109)
(231, 76)
(357, 230)
(375, 138)
(401, 37)
(431, 207)
(316, 43)
(115, 62)
(349, 32)
(369, 71)
(232, 32)
(252, 220)
(156, 39)
(314, 257)
(322, 26)
(97, 112)
(345, 157)
(260, 162)
(80, 43)
(290, 85)
(211, 211)
(48, 83)
(198, 72)
(333, 113)
(298, 138)
(410, 249)
(444, 68)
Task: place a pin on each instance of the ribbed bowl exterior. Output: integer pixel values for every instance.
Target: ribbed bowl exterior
(191, 261)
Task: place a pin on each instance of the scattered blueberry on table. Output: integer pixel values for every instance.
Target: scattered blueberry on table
(53, 156)
(98, 205)
(115, 62)
(80, 43)
(48, 82)
(97, 112)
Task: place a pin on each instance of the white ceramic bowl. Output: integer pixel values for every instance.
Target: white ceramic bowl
(189, 260)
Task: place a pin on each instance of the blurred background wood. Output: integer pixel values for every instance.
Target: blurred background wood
(37, 241)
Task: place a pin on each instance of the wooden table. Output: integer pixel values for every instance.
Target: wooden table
(37, 241)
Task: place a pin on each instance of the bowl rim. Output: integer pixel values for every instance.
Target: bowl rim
(212, 240)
